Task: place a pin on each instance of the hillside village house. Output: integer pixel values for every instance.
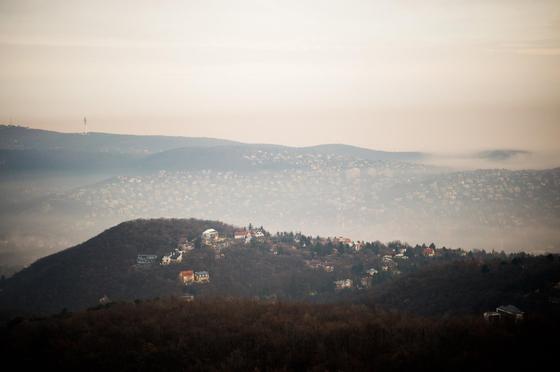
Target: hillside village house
(146, 259)
(248, 235)
(387, 259)
(240, 234)
(343, 240)
(172, 258)
(343, 284)
(492, 316)
(511, 312)
(186, 276)
(505, 313)
(372, 272)
(201, 277)
(209, 236)
(429, 252)
(401, 256)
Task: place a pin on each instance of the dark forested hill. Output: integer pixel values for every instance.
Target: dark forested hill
(282, 266)
(79, 276)
(475, 285)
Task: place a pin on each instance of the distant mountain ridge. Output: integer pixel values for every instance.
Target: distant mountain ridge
(32, 149)
(23, 138)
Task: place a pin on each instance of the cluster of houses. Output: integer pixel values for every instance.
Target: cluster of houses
(212, 239)
(188, 277)
(365, 281)
(174, 257)
(246, 235)
(343, 284)
(399, 252)
(388, 263)
(209, 238)
(355, 245)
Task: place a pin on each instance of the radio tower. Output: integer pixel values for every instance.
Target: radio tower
(85, 126)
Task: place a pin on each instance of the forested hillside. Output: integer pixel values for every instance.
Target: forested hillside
(166, 335)
(423, 279)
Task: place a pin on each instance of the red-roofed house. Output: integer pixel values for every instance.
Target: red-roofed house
(186, 276)
(240, 234)
(429, 252)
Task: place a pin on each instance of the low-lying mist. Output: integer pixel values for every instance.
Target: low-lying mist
(484, 209)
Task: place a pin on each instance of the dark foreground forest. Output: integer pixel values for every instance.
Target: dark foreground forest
(171, 334)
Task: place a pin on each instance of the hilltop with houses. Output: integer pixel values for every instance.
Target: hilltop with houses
(193, 259)
(325, 254)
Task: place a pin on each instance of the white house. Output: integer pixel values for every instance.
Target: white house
(209, 235)
(201, 277)
(166, 260)
(387, 258)
(240, 234)
(328, 268)
(344, 283)
(174, 257)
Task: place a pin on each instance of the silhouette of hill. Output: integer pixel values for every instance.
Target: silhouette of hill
(25, 149)
(22, 138)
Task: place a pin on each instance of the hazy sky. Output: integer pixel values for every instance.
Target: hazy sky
(395, 75)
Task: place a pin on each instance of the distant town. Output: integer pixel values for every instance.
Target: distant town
(490, 209)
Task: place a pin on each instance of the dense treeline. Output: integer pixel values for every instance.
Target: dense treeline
(247, 335)
(474, 285)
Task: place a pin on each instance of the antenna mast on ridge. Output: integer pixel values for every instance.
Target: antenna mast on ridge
(85, 126)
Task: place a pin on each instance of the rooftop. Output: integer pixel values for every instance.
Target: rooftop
(510, 309)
